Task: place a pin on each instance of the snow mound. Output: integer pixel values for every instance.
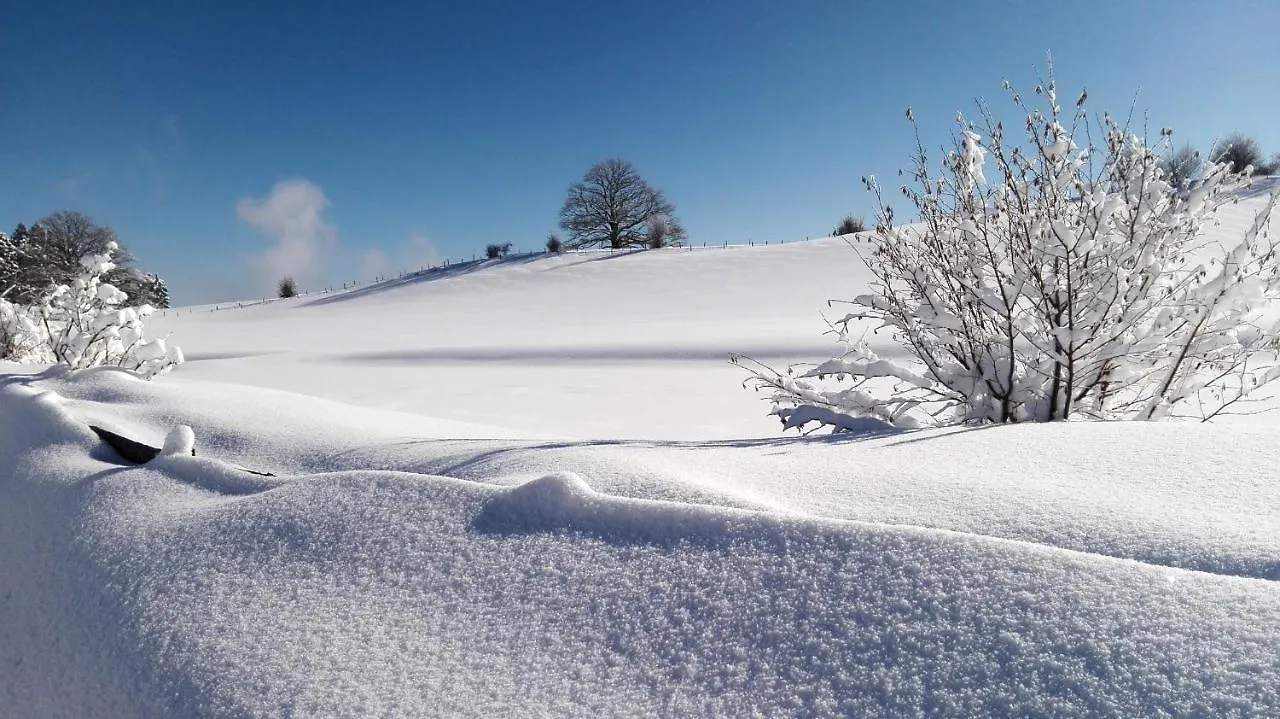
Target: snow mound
(181, 440)
(563, 502)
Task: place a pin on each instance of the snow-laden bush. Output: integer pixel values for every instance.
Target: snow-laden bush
(85, 324)
(1079, 284)
(21, 338)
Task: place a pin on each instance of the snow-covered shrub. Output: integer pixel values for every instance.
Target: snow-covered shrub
(21, 337)
(1078, 284)
(86, 324)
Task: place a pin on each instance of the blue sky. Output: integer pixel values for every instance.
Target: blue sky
(224, 140)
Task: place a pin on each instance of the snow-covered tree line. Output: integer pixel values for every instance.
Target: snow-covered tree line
(1078, 283)
(76, 314)
(49, 253)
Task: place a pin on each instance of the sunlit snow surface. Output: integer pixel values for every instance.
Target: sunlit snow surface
(537, 489)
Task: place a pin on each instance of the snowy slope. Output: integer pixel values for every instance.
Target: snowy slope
(592, 344)
(536, 488)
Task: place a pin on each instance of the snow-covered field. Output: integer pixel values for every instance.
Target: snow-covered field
(537, 488)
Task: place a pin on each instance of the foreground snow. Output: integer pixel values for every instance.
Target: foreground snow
(1069, 570)
(536, 488)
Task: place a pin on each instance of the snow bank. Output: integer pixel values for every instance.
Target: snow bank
(514, 589)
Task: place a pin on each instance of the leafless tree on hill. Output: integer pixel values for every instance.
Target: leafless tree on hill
(613, 207)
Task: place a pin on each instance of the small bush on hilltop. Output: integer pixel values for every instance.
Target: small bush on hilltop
(1242, 151)
(1077, 284)
(663, 231)
(850, 225)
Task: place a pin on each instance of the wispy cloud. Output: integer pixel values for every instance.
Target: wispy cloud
(374, 264)
(293, 216)
(172, 128)
(148, 174)
(72, 187)
(417, 251)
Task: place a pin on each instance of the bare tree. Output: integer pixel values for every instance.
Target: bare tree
(66, 237)
(612, 207)
(50, 252)
(1181, 165)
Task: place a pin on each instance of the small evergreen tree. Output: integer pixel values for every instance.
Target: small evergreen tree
(287, 288)
(554, 245)
(496, 251)
(8, 265)
(159, 292)
(32, 275)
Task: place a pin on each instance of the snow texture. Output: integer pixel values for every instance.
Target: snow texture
(556, 520)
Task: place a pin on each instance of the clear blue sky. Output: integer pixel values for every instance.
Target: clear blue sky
(452, 125)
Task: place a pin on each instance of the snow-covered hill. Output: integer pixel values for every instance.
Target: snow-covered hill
(590, 344)
(536, 488)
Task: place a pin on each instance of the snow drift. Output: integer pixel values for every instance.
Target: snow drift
(887, 577)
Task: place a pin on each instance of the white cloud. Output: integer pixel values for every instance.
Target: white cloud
(293, 216)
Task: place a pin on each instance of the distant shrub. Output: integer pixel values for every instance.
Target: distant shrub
(1181, 166)
(495, 252)
(554, 245)
(851, 224)
(1241, 151)
(663, 231)
(287, 287)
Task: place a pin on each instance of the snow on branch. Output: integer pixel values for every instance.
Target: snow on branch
(85, 324)
(1052, 277)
